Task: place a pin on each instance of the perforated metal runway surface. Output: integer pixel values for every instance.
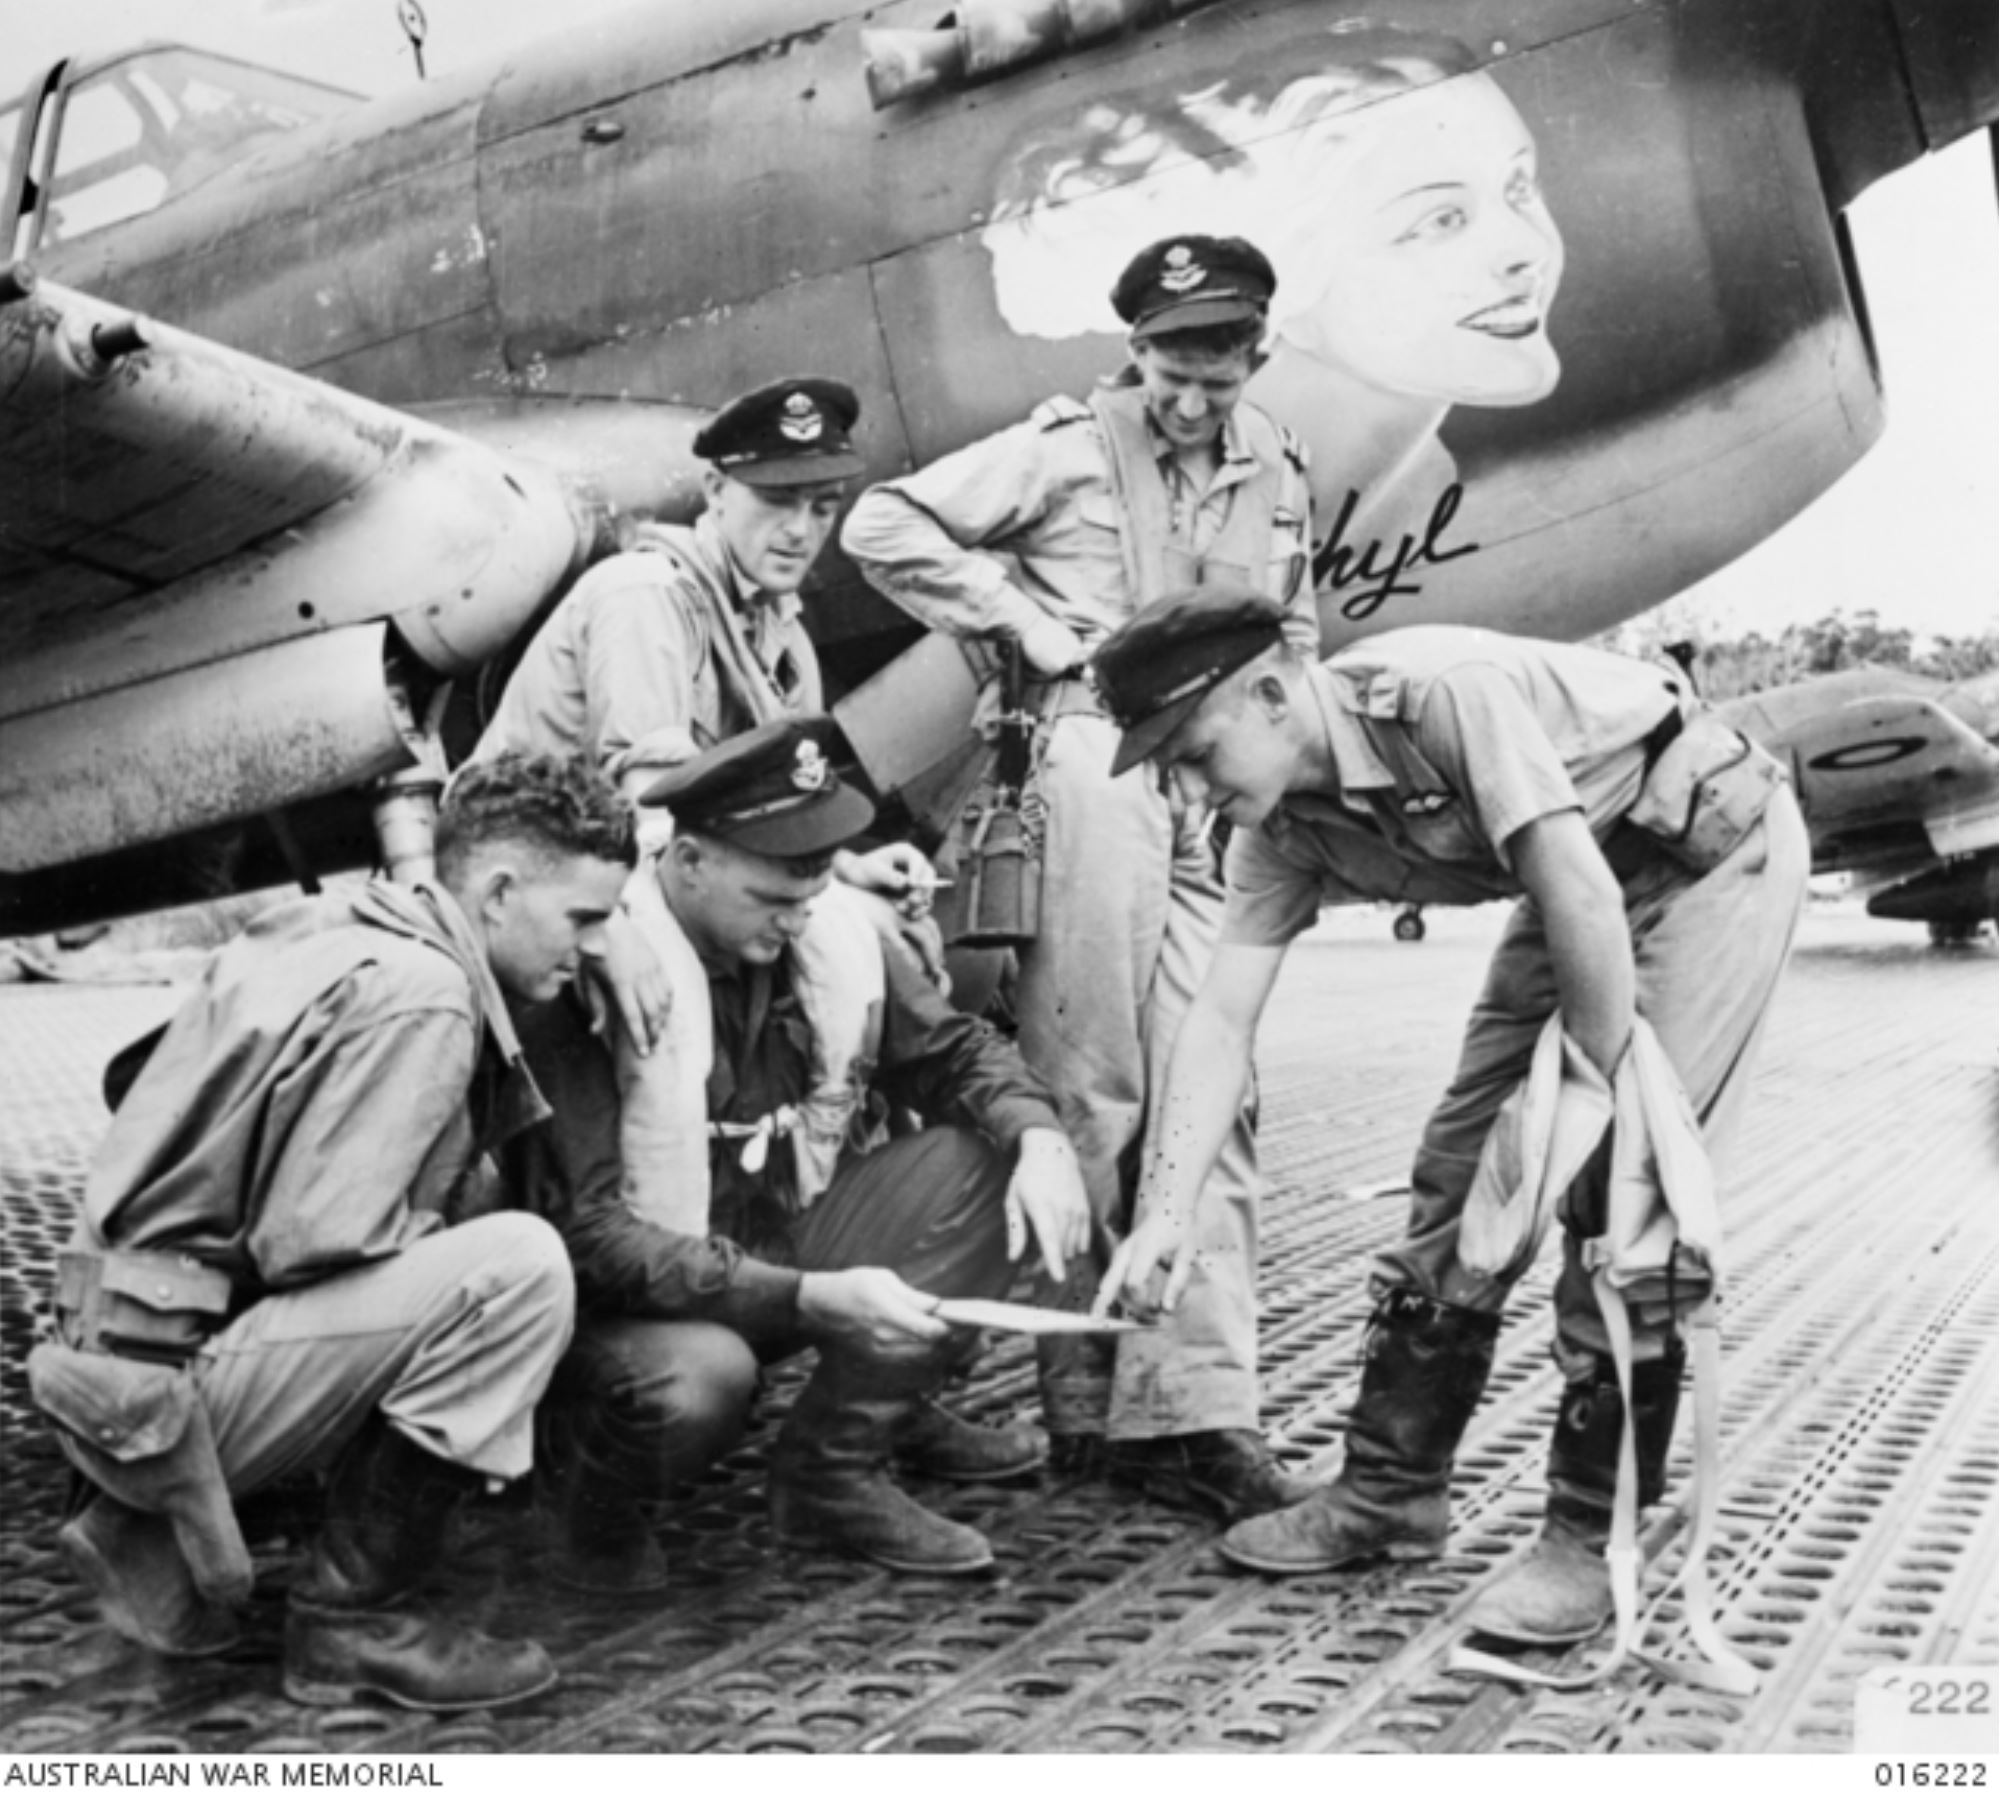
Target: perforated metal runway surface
(1861, 1445)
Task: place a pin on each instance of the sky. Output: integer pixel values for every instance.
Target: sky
(1912, 532)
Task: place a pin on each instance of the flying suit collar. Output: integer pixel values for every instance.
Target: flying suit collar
(424, 911)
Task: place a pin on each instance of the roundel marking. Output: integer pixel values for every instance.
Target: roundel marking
(1868, 754)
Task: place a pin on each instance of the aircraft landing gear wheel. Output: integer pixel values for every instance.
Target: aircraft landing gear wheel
(1409, 926)
(1953, 931)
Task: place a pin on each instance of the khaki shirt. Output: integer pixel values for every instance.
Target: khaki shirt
(1024, 523)
(1447, 742)
(625, 669)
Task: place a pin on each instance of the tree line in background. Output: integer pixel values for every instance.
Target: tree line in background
(1729, 667)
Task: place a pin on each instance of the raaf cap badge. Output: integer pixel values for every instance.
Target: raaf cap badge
(776, 789)
(812, 769)
(1191, 282)
(1181, 273)
(801, 422)
(791, 432)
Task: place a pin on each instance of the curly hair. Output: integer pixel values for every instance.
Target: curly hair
(559, 805)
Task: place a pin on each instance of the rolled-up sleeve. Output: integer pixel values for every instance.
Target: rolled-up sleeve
(1478, 729)
(920, 540)
(1271, 901)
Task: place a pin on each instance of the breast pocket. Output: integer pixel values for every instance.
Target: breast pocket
(1093, 539)
(1436, 825)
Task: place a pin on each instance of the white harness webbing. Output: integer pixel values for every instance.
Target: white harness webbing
(1725, 1671)
(664, 1128)
(757, 1136)
(1661, 1205)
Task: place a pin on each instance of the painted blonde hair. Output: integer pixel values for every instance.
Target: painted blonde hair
(1083, 194)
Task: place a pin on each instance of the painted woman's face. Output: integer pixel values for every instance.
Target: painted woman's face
(1431, 251)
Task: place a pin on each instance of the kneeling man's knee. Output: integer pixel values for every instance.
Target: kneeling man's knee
(707, 1384)
(662, 1400)
(522, 1249)
(522, 1273)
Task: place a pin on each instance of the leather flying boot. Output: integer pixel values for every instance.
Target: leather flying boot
(1560, 1593)
(1427, 1363)
(599, 1527)
(1076, 1372)
(829, 1481)
(1078, 1457)
(936, 1443)
(353, 1625)
(145, 1590)
(1230, 1473)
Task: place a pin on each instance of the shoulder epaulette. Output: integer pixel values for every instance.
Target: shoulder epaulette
(656, 544)
(1391, 696)
(1052, 414)
(1386, 694)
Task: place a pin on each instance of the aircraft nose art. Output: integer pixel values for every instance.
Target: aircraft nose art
(1561, 319)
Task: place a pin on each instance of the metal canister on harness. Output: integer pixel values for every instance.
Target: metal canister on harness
(996, 901)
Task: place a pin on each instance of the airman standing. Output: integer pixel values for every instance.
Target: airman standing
(1045, 538)
(1660, 861)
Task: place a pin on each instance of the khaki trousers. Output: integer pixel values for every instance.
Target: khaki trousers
(1708, 952)
(453, 1339)
(1130, 913)
(652, 1403)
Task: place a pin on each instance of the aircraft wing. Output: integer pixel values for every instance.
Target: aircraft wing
(1871, 757)
(215, 572)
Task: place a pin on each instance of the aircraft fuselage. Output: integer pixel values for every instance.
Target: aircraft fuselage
(667, 208)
